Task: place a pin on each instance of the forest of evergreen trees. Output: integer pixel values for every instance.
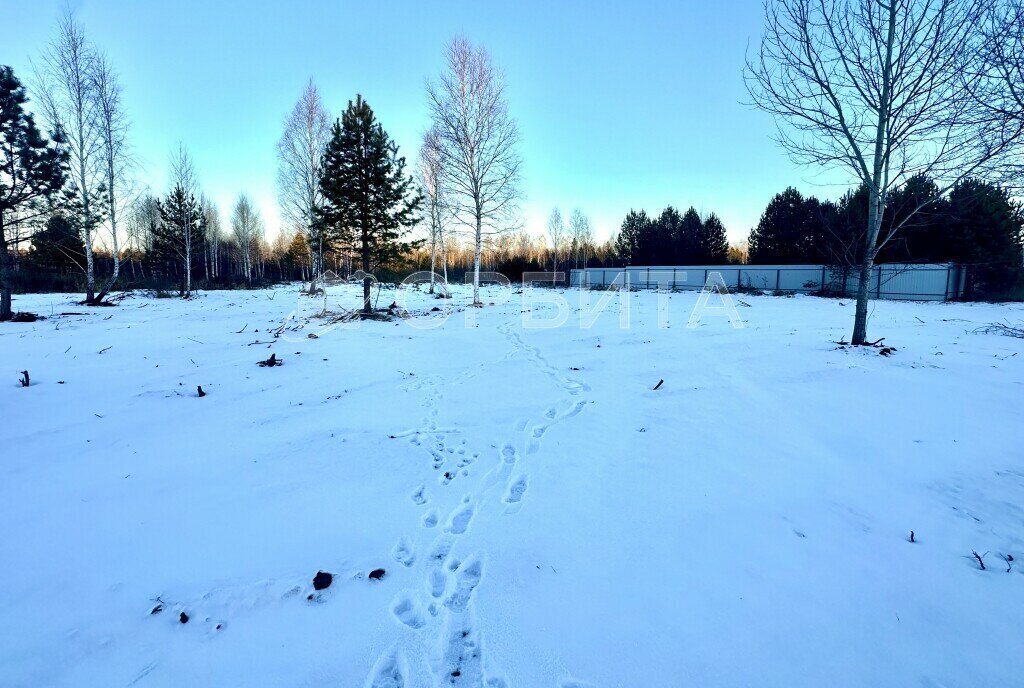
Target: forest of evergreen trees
(977, 224)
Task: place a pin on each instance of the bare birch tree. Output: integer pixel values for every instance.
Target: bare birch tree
(68, 99)
(214, 235)
(478, 145)
(143, 222)
(582, 236)
(556, 232)
(299, 154)
(247, 227)
(880, 89)
(183, 175)
(431, 181)
(112, 123)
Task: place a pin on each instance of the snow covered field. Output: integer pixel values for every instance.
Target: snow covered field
(544, 517)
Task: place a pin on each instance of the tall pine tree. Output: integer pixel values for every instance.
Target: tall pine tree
(182, 227)
(688, 238)
(793, 229)
(712, 245)
(666, 238)
(57, 247)
(986, 225)
(31, 171)
(627, 243)
(369, 201)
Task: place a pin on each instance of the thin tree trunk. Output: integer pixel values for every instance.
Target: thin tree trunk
(188, 264)
(433, 253)
(860, 321)
(316, 259)
(444, 255)
(876, 195)
(476, 259)
(6, 311)
(113, 234)
(367, 306)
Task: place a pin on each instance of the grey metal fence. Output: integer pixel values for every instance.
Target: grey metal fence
(905, 281)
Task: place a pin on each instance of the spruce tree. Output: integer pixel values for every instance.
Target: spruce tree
(712, 242)
(688, 238)
(986, 226)
(369, 201)
(795, 229)
(925, 234)
(57, 247)
(298, 255)
(666, 238)
(182, 224)
(33, 172)
(627, 243)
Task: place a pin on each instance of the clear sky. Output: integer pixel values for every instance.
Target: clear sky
(621, 105)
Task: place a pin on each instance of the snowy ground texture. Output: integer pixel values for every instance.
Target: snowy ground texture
(544, 518)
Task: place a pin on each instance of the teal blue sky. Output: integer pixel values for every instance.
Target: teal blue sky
(621, 105)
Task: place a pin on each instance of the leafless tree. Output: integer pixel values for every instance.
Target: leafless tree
(1003, 74)
(143, 216)
(214, 236)
(299, 153)
(881, 89)
(113, 128)
(67, 94)
(143, 224)
(478, 145)
(431, 181)
(183, 175)
(247, 226)
(556, 232)
(582, 236)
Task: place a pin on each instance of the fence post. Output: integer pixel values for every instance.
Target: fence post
(878, 285)
(778, 278)
(822, 279)
(674, 278)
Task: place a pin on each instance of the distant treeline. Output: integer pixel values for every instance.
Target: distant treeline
(977, 223)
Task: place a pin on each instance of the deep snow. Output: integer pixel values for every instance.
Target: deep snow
(745, 525)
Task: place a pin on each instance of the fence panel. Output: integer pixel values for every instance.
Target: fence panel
(905, 281)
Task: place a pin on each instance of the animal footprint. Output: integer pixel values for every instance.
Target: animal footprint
(467, 577)
(407, 610)
(516, 490)
(438, 582)
(418, 497)
(508, 453)
(464, 663)
(430, 518)
(403, 552)
(577, 407)
(387, 673)
(442, 548)
(460, 520)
